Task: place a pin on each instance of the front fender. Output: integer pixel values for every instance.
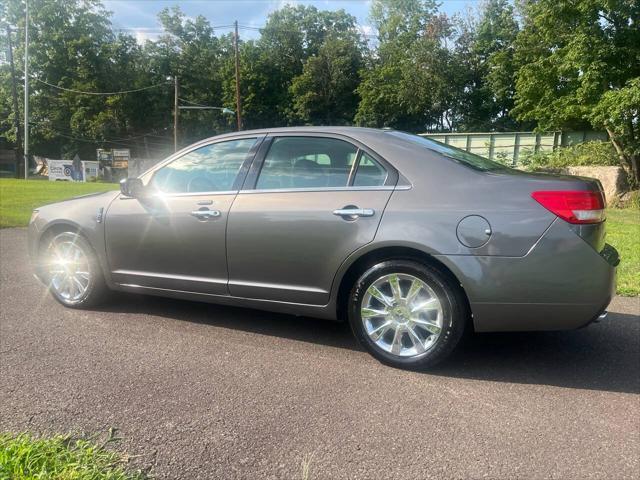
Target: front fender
(84, 215)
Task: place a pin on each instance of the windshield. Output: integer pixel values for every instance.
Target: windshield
(462, 156)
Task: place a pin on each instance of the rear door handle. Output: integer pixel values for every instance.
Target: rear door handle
(205, 214)
(354, 212)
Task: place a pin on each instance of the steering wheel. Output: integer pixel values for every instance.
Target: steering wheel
(201, 184)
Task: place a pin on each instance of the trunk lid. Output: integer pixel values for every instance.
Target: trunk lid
(538, 184)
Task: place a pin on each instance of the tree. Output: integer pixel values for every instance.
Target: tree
(408, 84)
(73, 48)
(579, 64)
(618, 112)
(292, 35)
(191, 51)
(65, 40)
(325, 91)
(494, 50)
(260, 103)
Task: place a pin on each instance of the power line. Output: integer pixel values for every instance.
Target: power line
(224, 109)
(118, 141)
(191, 103)
(259, 28)
(265, 27)
(70, 132)
(158, 30)
(99, 93)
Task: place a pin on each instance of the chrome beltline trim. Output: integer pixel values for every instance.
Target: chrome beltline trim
(279, 190)
(186, 194)
(327, 189)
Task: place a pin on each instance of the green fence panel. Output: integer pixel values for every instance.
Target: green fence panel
(508, 147)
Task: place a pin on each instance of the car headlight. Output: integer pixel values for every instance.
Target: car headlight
(34, 214)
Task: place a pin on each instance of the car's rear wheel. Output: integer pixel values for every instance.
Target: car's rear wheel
(72, 271)
(407, 314)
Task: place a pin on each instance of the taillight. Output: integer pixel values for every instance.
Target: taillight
(574, 206)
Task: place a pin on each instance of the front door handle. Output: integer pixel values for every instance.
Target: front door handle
(354, 212)
(205, 214)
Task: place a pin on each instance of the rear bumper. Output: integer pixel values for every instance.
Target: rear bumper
(562, 283)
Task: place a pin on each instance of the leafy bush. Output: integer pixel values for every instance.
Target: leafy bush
(583, 154)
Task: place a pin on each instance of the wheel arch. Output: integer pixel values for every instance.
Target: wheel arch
(58, 227)
(384, 253)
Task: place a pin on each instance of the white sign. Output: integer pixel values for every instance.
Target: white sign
(89, 171)
(60, 169)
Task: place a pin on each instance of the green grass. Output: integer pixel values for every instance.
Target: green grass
(19, 197)
(623, 232)
(25, 457)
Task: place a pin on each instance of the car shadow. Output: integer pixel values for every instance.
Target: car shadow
(303, 329)
(604, 356)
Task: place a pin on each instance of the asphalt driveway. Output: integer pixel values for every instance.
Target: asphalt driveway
(201, 391)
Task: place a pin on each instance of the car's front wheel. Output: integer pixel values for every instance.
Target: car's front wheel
(407, 314)
(72, 271)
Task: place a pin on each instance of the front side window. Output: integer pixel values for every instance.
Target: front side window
(212, 168)
(307, 162)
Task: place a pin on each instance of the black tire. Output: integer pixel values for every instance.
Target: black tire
(96, 290)
(454, 313)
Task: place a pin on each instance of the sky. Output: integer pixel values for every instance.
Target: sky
(139, 17)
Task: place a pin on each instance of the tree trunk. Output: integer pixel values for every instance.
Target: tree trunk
(629, 162)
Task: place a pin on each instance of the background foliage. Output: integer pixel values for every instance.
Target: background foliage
(539, 64)
(584, 154)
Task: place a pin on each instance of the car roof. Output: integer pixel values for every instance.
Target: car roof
(353, 132)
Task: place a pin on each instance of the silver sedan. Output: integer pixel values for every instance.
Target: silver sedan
(409, 240)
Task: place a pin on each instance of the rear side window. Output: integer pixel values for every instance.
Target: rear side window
(369, 172)
(307, 162)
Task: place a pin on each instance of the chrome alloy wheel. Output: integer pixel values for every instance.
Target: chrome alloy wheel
(69, 270)
(402, 315)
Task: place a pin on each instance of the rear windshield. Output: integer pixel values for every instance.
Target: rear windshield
(470, 159)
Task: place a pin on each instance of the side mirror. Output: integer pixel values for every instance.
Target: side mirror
(132, 187)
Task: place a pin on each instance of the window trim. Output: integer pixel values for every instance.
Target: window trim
(148, 175)
(251, 180)
(354, 169)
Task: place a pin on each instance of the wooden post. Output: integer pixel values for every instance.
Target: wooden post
(492, 142)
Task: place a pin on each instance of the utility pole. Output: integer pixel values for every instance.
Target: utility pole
(14, 93)
(238, 99)
(175, 113)
(26, 91)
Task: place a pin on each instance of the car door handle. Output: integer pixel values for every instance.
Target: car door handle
(354, 212)
(205, 214)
